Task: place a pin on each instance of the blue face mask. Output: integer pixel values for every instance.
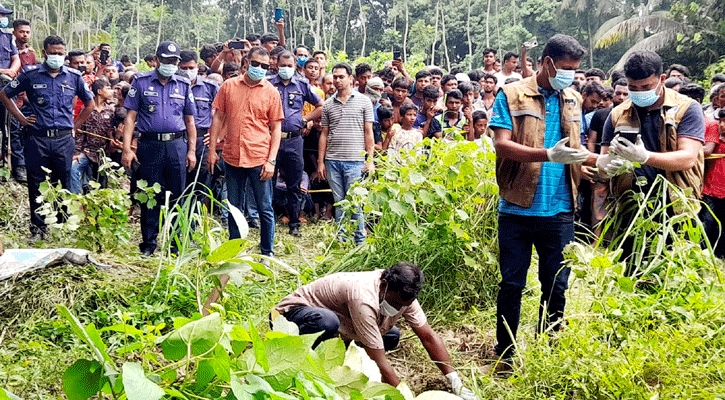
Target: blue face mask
(301, 61)
(286, 73)
(4, 22)
(54, 61)
(645, 98)
(256, 73)
(167, 69)
(563, 79)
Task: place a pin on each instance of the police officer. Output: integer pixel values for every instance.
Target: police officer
(49, 142)
(164, 107)
(294, 93)
(204, 91)
(9, 69)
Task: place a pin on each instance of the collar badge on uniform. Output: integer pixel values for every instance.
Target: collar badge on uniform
(151, 88)
(14, 84)
(152, 108)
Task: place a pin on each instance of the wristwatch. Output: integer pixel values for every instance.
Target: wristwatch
(272, 161)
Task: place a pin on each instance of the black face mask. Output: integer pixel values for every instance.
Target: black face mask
(82, 68)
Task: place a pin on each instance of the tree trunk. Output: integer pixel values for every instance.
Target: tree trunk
(347, 25)
(488, 17)
(138, 29)
(498, 29)
(363, 22)
(435, 36)
(589, 36)
(318, 18)
(468, 35)
(445, 44)
(264, 15)
(405, 35)
(161, 21)
(513, 6)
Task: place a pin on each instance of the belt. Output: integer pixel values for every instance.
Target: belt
(290, 135)
(51, 133)
(201, 131)
(163, 137)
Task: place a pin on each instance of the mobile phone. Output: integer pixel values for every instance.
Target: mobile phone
(630, 135)
(277, 14)
(236, 45)
(104, 56)
(396, 54)
(530, 45)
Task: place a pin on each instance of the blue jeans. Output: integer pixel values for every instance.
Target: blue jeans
(316, 319)
(341, 175)
(237, 180)
(81, 172)
(516, 235)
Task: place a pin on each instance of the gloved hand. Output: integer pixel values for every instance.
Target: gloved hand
(632, 152)
(562, 154)
(608, 165)
(458, 388)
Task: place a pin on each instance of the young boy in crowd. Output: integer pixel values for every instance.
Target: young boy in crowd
(480, 131)
(426, 120)
(407, 136)
(401, 89)
(385, 126)
(452, 120)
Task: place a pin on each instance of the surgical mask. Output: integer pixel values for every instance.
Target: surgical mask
(301, 61)
(387, 310)
(54, 61)
(4, 22)
(256, 73)
(286, 73)
(563, 79)
(644, 98)
(167, 69)
(189, 73)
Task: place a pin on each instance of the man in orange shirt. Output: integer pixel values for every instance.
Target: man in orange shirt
(248, 115)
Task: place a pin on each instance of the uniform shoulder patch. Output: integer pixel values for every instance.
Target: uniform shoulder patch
(132, 92)
(211, 82)
(74, 71)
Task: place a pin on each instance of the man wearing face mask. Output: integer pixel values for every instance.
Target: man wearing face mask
(163, 104)
(294, 93)
(364, 307)
(49, 142)
(656, 127)
(537, 125)
(302, 54)
(204, 91)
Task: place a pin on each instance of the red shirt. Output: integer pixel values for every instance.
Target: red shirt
(715, 173)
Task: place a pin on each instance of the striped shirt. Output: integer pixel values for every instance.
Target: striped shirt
(346, 138)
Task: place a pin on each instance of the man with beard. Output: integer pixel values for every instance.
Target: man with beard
(485, 102)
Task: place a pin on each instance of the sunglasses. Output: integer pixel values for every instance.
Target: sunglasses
(256, 64)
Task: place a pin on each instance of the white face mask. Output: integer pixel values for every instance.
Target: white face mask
(387, 310)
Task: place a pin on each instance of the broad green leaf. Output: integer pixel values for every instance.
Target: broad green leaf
(173, 393)
(235, 271)
(80, 331)
(281, 324)
(239, 219)
(416, 178)
(241, 391)
(240, 334)
(83, 379)
(332, 353)
(259, 352)
(137, 385)
(347, 379)
(374, 389)
(8, 395)
(397, 207)
(199, 336)
(218, 364)
(227, 250)
(258, 384)
(261, 269)
(124, 328)
(286, 356)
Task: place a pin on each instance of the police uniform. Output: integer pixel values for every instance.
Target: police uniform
(290, 158)
(162, 147)
(49, 142)
(204, 91)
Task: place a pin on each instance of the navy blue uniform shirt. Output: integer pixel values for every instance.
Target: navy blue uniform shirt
(204, 91)
(7, 49)
(50, 99)
(294, 95)
(160, 108)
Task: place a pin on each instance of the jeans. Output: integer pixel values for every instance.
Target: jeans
(81, 172)
(341, 175)
(516, 235)
(238, 178)
(710, 224)
(316, 319)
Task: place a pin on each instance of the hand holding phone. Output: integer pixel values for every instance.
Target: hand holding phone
(396, 54)
(278, 14)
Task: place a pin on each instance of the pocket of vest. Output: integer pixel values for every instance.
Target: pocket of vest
(531, 113)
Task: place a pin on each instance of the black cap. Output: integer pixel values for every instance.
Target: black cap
(168, 49)
(5, 11)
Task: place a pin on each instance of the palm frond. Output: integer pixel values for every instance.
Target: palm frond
(655, 22)
(656, 42)
(606, 26)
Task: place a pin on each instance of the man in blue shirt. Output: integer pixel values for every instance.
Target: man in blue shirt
(49, 143)
(161, 105)
(294, 93)
(537, 125)
(204, 91)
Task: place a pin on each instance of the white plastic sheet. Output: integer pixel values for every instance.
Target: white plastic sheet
(15, 262)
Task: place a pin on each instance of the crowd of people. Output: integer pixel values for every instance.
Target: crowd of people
(278, 132)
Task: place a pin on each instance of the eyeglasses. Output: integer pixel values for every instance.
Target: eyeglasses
(256, 64)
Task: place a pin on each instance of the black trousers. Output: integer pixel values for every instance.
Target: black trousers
(290, 161)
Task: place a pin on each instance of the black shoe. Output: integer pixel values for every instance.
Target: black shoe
(253, 223)
(147, 253)
(20, 174)
(295, 231)
(36, 237)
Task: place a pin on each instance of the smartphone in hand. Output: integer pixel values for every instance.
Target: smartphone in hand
(277, 14)
(396, 54)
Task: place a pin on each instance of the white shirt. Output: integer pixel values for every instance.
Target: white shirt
(501, 78)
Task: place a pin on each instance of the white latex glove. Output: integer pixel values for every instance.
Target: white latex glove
(608, 165)
(457, 384)
(562, 154)
(633, 152)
